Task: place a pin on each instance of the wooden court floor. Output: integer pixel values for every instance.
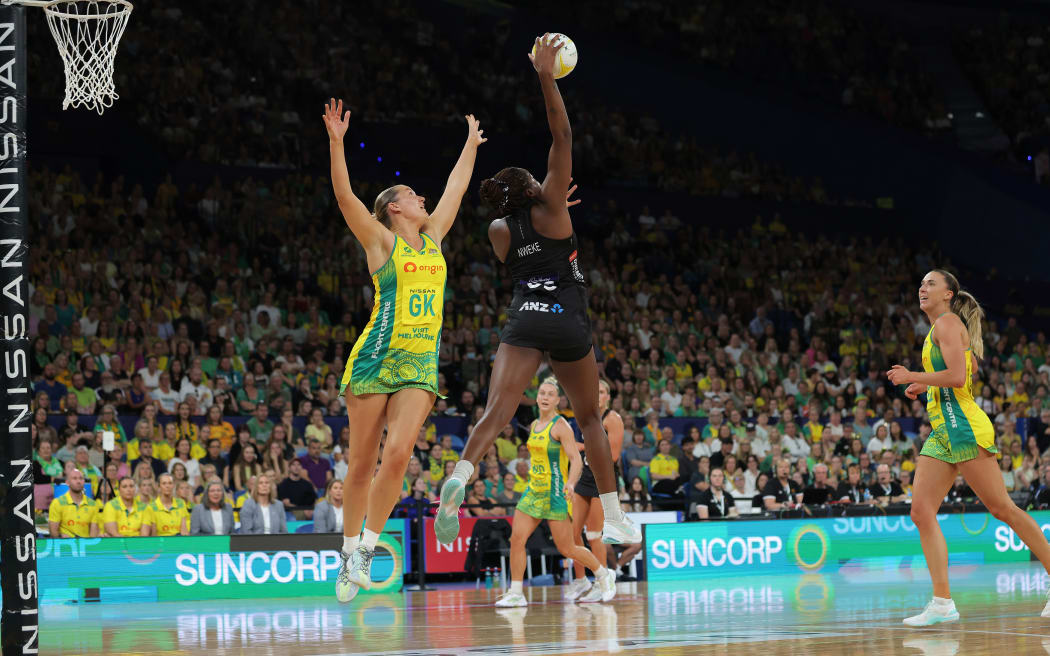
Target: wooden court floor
(850, 612)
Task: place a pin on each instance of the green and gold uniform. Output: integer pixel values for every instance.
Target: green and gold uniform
(399, 346)
(544, 497)
(959, 424)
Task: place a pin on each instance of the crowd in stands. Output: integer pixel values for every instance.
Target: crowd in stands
(767, 369)
(1009, 62)
(822, 48)
(254, 104)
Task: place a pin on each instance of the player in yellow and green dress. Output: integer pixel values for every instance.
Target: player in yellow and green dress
(963, 438)
(391, 375)
(555, 466)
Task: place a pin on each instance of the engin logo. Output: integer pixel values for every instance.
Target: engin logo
(432, 269)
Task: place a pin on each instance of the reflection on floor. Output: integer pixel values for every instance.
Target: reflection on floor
(851, 612)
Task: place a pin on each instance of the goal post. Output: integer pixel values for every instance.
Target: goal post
(18, 576)
(87, 33)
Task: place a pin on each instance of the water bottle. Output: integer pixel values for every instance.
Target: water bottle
(488, 578)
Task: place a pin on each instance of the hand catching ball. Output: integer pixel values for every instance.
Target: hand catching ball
(565, 59)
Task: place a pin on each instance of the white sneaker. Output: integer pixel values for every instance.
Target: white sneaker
(593, 596)
(934, 614)
(512, 600)
(446, 523)
(577, 588)
(1046, 608)
(607, 583)
(361, 567)
(621, 531)
(345, 589)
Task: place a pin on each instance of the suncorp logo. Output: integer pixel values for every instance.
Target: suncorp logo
(1007, 540)
(714, 552)
(260, 567)
(255, 567)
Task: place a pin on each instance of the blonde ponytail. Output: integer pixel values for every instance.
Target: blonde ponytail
(551, 380)
(387, 196)
(969, 310)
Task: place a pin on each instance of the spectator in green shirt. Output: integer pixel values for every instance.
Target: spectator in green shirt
(86, 398)
(250, 396)
(107, 421)
(208, 364)
(260, 425)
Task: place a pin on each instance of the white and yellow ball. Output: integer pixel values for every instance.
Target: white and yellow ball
(565, 61)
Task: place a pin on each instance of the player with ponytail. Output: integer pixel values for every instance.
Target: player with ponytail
(390, 379)
(554, 470)
(963, 438)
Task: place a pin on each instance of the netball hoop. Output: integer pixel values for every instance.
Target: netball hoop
(87, 33)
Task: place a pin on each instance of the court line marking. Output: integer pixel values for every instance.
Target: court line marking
(591, 646)
(947, 631)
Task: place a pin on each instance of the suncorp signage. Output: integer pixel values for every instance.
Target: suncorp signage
(688, 553)
(819, 545)
(207, 567)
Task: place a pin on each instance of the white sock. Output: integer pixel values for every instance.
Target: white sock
(515, 586)
(611, 506)
(349, 544)
(582, 577)
(464, 470)
(602, 571)
(941, 601)
(369, 539)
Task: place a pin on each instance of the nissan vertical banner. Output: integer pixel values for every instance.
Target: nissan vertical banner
(18, 626)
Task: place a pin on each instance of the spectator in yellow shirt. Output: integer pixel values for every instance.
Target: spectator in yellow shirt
(1020, 395)
(506, 445)
(143, 433)
(663, 469)
(437, 462)
(122, 516)
(521, 476)
(73, 514)
(166, 515)
(448, 454)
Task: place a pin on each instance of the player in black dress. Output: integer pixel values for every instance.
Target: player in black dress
(548, 314)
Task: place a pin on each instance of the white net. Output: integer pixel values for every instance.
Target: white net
(87, 33)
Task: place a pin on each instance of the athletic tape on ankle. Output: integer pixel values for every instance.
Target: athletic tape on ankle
(593, 535)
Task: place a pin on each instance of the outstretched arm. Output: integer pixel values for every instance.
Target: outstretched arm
(367, 230)
(444, 214)
(559, 161)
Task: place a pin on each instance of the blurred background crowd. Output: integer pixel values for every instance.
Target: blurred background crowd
(201, 309)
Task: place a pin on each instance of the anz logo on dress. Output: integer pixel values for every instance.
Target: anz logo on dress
(536, 306)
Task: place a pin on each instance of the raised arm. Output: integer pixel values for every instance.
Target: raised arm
(367, 230)
(443, 216)
(559, 161)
